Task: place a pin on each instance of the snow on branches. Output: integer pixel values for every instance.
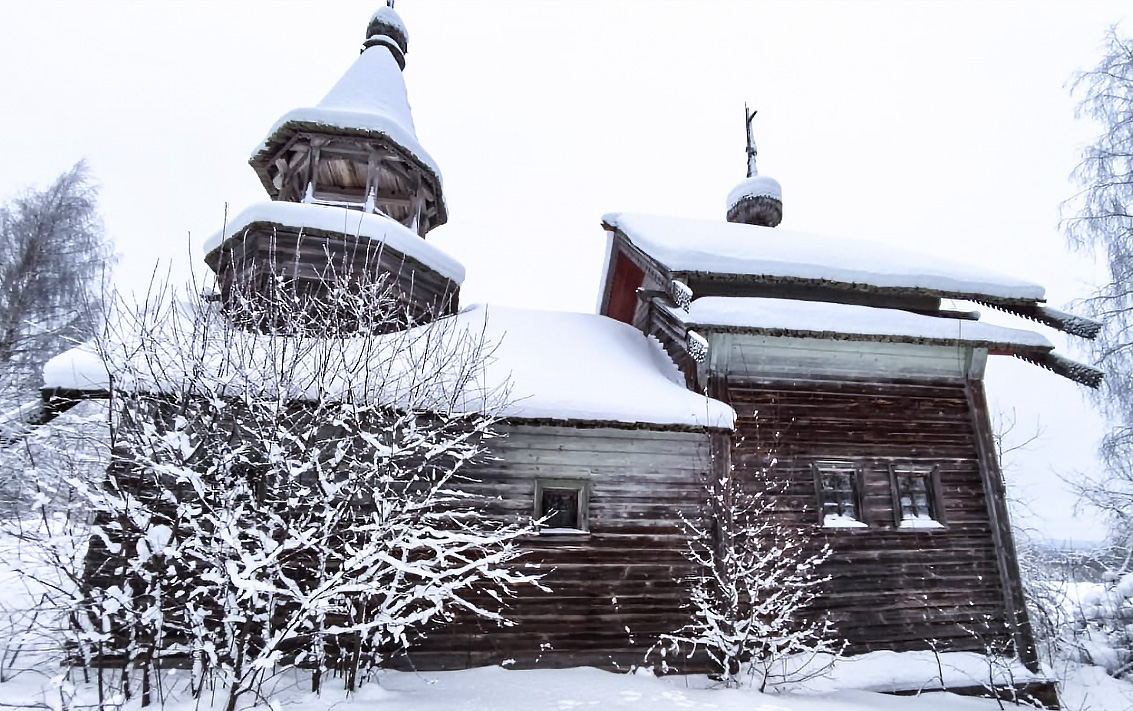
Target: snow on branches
(284, 498)
(754, 579)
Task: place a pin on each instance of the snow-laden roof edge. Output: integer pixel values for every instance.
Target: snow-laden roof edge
(352, 122)
(554, 366)
(790, 316)
(343, 221)
(834, 321)
(730, 249)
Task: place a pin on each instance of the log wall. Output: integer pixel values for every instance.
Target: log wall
(890, 588)
(308, 259)
(614, 589)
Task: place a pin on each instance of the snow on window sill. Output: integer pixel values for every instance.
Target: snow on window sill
(921, 523)
(843, 522)
(562, 532)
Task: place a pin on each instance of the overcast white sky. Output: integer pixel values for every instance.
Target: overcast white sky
(940, 126)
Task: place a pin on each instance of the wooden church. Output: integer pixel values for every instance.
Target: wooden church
(720, 341)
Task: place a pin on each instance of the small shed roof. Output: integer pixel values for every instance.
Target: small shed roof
(834, 321)
(535, 365)
(343, 221)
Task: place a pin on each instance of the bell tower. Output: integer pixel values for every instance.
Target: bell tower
(358, 148)
(353, 194)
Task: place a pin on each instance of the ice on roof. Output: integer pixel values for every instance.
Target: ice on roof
(550, 365)
(711, 246)
(340, 220)
(370, 97)
(846, 319)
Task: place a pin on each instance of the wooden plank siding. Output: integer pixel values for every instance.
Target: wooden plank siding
(309, 258)
(890, 588)
(615, 589)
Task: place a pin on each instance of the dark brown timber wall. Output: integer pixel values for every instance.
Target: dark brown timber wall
(890, 588)
(614, 589)
(307, 258)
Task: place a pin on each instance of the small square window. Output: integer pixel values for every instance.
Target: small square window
(916, 496)
(562, 505)
(838, 483)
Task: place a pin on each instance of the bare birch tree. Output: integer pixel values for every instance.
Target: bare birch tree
(1101, 220)
(53, 255)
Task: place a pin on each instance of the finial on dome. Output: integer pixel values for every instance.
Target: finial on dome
(758, 200)
(752, 171)
(387, 29)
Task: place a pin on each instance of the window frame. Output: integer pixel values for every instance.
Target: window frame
(857, 483)
(934, 497)
(582, 486)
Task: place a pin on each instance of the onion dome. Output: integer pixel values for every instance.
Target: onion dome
(387, 29)
(757, 200)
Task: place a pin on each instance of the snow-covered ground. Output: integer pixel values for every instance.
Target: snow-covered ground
(496, 689)
(35, 679)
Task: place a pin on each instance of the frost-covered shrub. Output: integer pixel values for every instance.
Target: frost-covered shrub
(1102, 630)
(282, 496)
(755, 577)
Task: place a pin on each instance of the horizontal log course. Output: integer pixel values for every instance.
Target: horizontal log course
(888, 588)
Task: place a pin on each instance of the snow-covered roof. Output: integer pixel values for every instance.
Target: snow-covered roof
(340, 220)
(820, 319)
(725, 248)
(80, 368)
(386, 14)
(370, 98)
(536, 365)
(836, 321)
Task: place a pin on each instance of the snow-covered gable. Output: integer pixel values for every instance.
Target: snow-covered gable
(338, 220)
(541, 365)
(724, 248)
(818, 319)
(370, 98)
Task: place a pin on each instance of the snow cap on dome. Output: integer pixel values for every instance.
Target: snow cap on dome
(387, 29)
(753, 187)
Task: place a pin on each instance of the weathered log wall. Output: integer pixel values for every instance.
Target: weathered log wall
(614, 589)
(890, 588)
(309, 259)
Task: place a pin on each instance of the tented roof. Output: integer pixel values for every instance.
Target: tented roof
(369, 100)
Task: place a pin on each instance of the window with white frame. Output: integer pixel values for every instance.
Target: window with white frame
(838, 483)
(562, 505)
(916, 496)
